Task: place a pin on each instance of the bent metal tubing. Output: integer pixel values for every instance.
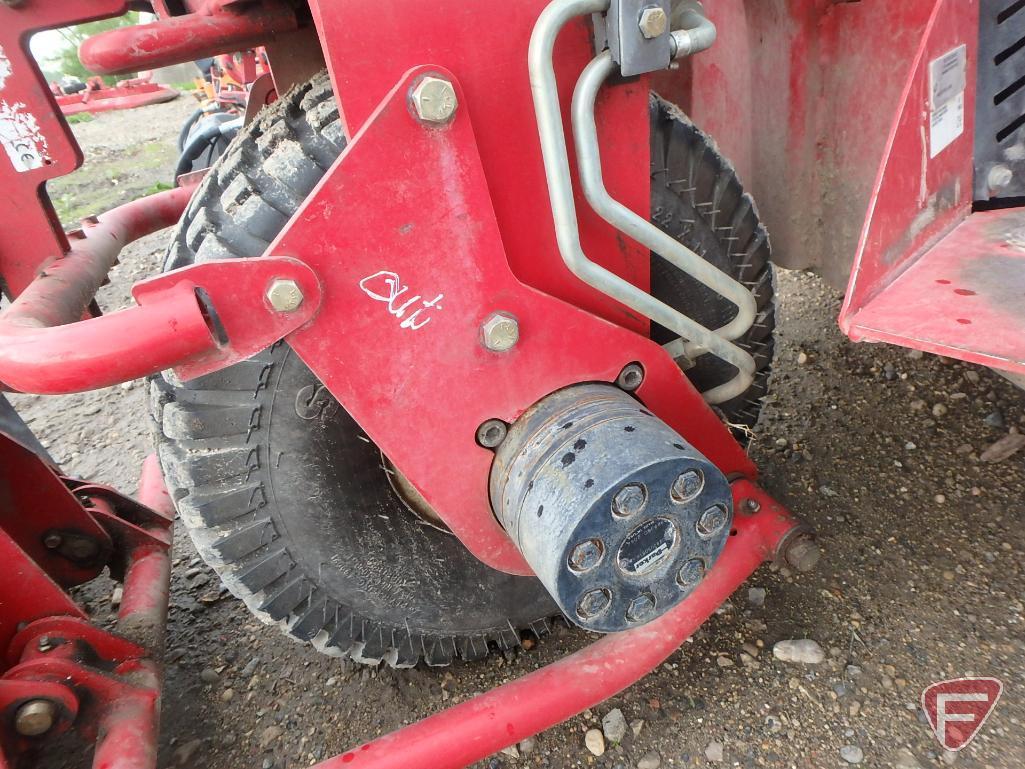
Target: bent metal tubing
(514, 711)
(46, 348)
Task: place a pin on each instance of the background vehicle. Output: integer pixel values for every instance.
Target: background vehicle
(572, 414)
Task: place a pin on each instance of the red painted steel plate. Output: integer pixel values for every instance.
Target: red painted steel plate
(405, 241)
(369, 46)
(964, 298)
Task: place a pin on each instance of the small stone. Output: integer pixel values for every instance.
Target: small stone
(910, 446)
(916, 354)
(127, 385)
(905, 759)
(773, 724)
(250, 667)
(852, 754)
(756, 596)
(852, 671)
(527, 746)
(715, 750)
(1006, 447)
(636, 726)
(227, 695)
(512, 751)
(803, 650)
(268, 763)
(185, 752)
(949, 757)
(650, 760)
(917, 405)
(972, 376)
(723, 661)
(613, 725)
(270, 735)
(995, 419)
(209, 676)
(115, 596)
(939, 410)
(940, 499)
(594, 741)
(886, 681)
(854, 708)
(751, 649)
(802, 358)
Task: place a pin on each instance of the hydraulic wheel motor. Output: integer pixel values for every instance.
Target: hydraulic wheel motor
(618, 515)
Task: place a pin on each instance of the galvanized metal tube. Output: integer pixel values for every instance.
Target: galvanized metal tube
(585, 136)
(693, 31)
(548, 111)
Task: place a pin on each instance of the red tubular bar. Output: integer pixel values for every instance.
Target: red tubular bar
(44, 350)
(503, 716)
(184, 38)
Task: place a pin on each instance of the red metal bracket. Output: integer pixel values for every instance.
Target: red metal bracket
(416, 286)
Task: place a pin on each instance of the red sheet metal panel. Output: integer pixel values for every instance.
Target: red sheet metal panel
(964, 298)
(402, 234)
(369, 47)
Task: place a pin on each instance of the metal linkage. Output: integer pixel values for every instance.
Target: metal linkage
(58, 671)
(556, 160)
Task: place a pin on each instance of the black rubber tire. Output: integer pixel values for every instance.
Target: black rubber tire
(697, 197)
(280, 491)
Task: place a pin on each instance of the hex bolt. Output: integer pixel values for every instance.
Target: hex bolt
(45, 643)
(752, 506)
(284, 295)
(802, 554)
(690, 573)
(630, 377)
(687, 486)
(641, 608)
(594, 602)
(711, 521)
(52, 541)
(35, 717)
(501, 331)
(586, 555)
(999, 177)
(491, 433)
(653, 22)
(434, 100)
(629, 500)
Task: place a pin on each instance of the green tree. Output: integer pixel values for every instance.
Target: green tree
(66, 62)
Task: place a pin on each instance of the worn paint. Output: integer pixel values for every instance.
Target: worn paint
(5, 68)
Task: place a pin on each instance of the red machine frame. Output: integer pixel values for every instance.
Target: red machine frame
(453, 207)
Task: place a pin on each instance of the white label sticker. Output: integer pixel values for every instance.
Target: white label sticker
(24, 142)
(948, 76)
(5, 68)
(946, 124)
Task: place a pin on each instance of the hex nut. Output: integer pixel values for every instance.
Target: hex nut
(501, 332)
(35, 717)
(641, 608)
(687, 486)
(284, 295)
(434, 100)
(586, 555)
(691, 573)
(594, 602)
(711, 521)
(653, 22)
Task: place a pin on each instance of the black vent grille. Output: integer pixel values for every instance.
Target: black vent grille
(1000, 103)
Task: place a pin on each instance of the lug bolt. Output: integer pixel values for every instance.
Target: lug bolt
(641, 608)
(629, 500)
(284, 295)
(434, 100)
(630, 377)
(52, 541)
(653, 22)
(802, 554)
(594, 602)
(711, 521)
(586, 555)
(501, 332)
(687, 486)
(491, 433)
(35, 717)
(690, 573)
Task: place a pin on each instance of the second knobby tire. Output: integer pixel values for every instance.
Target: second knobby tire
(281, 492)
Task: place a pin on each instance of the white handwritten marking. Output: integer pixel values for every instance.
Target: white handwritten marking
(19, 133)
(385, 286)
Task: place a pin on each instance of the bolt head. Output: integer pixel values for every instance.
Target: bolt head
(35, 717)
(501, 332)
(52, 541)
(687, 486)
(653, 22)
(434, 100)
(586, 555)
(491, 433)
(284, 295)
(999, 177)
(630, 378)
(711, 521)
(641, 608)
(594, 602)
(690, 573)
(629, 500)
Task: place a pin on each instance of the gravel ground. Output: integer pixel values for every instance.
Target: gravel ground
(880, 450)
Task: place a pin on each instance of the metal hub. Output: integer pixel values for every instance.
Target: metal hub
(618, 515)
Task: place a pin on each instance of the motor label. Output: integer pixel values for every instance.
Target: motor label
(947, 83)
